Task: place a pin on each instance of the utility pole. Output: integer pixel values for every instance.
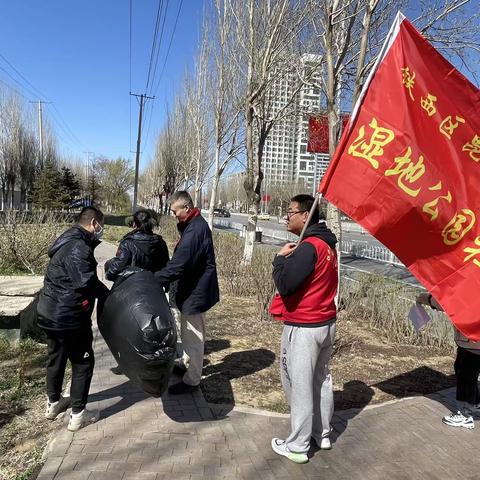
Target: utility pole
(87, 177)
(143, 97)
(40, 129)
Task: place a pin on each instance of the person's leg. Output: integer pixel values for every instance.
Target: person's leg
(466, 391)
(302, 356)
(466, 369)
(57, 361)
(284, 359)
(81, 356)
(193, 339)
(323, 388)
(178, 324)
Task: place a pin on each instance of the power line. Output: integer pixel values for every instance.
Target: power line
(169, 46)
(43, 98)
(22, 76)
(154, 43)
(159, 44)
(164, 65)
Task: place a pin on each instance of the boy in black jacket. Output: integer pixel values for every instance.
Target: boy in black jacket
(64, 311)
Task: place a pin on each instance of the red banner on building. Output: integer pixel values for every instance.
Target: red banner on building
(408, 170)
(318, 133)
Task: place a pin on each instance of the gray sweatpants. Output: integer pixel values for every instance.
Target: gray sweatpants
(306, 380)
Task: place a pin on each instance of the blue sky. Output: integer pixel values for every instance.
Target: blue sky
(77, 55)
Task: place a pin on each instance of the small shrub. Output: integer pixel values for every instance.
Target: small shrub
(25, 238)
(385, 304)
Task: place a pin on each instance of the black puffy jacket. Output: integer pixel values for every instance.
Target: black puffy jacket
(138, 249)
(71, 283)
(193, 265)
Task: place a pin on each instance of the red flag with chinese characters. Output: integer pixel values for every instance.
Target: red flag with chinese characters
(408, 170)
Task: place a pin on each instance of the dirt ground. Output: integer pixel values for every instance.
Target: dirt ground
(241, 365)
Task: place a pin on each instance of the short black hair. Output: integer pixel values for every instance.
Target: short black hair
(305, 202)
(145, 221)
(182, 196)
(88, 214)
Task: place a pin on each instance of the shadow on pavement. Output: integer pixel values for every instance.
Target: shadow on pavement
(420, 381)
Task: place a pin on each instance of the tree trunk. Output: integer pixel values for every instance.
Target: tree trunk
(216, 180)
(250, 190)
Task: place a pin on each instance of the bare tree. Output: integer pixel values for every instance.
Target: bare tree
(268, 37)
(223, 84)
(350, 34)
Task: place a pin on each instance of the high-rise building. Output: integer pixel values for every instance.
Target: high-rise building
(285, 158)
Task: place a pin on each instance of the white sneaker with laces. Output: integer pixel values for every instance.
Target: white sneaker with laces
(82, 419)
(458, 419)
(279, 446)
(57, 408)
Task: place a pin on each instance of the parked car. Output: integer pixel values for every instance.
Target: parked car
(263, 216)
(221, 212)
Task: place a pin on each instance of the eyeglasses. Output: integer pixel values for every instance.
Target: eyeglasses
(291, 213)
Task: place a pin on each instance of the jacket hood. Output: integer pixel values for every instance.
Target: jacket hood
(75, 233)
(147, 243)
(320, 230)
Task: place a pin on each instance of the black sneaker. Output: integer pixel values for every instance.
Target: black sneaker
(179, 370)
(116, 370)
(179, 388)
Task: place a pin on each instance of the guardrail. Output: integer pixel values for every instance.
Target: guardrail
(362, 249)
(356, 249)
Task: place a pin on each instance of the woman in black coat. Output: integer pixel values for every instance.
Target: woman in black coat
(139, 248)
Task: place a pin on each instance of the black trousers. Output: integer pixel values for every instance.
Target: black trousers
(467, 369)
(76, 346)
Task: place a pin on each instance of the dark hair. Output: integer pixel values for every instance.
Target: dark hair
(305, 202)
(182, 196)
(144, 221)
(88, 214)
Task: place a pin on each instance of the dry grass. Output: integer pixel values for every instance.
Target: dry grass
(242, 361)
(24, 430)
(25, 238)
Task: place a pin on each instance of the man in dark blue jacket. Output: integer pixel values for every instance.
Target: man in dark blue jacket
(193, 266)
(64, 311)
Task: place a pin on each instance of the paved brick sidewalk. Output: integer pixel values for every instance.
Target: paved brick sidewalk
(183, 437)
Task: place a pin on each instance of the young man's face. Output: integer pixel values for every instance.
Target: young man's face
(180, 210)
(296, 218)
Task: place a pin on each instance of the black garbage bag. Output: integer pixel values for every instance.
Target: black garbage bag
(138, 327)
(28, 323)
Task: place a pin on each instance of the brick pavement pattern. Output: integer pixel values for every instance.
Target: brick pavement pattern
(183, 437)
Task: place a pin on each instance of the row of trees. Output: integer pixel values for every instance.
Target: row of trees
(226, 109)
(42, 177)
(106, 184)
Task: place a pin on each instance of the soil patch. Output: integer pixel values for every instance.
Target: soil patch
(242, 362)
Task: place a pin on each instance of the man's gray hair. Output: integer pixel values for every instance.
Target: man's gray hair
(182, 196)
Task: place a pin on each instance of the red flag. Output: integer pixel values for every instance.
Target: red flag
(408, 169)
(318, 133)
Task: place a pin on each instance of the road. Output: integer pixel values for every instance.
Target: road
(354, 265)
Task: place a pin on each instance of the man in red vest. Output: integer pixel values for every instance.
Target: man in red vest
(306, 278)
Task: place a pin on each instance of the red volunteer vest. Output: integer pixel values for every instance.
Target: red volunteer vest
(314, 301)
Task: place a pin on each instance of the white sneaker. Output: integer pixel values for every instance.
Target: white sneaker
(279, 446)
(82, 419)
(57, 408)
(324, 443)
(459, 420)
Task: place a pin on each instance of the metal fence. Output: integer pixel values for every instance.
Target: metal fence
(364, 250)
(354, 248)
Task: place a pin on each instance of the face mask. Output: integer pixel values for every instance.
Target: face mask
(98, 234)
